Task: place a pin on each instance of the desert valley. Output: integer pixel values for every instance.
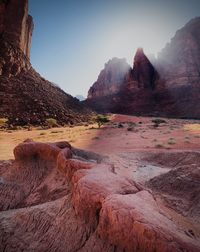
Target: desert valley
(117, 172)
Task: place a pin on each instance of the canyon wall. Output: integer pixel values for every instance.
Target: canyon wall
(26, 97)
(16, 26)
(170, 86)
(179, 61)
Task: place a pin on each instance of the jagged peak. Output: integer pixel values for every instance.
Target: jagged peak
(140, 56)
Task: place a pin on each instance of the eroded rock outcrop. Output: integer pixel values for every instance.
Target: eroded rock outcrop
(78, 202)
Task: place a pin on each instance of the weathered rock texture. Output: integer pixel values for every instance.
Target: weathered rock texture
(58, 198)
(170, 87)
(132, 93)
(110, 78)
(143, 71)
(180, 59)
(26, 97)
(16, 28)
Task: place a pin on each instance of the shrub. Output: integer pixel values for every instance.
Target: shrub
(157, 122)
(171, 141)
(101, 119)
(158, 145)
(42, 133)
(95, 138)
(3, 122)
(120, 125)
(51, 122)
(130, 128)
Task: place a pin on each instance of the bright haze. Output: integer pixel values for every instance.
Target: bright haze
(73, 39)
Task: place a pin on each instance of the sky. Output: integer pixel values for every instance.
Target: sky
(73, 39)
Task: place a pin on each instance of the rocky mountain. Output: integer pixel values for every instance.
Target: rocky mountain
(110, 78)
(179, 61)
(135, 86)
(168, 87)
(26, 97)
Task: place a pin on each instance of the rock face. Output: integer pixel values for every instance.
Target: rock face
(179, 61)
(58, 198)
(168, 87)
(26, 97)
(139, 80)
(143, 71)
(17, 26)
(16, 29)
(110, 78)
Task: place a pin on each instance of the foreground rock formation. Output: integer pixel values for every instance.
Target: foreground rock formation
(58, 198)
(26, 97)
(168, 87)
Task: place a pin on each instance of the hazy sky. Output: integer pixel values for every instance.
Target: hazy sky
(73, 39)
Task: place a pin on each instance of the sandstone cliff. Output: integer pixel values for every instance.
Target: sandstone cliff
(26, 97)
(143, 71)
(179, 61)
(110, 78)
(168, 87)
(136, 86)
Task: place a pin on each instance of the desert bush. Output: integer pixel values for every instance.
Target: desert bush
(158, 146)
(96, 138)
(51, 122)
(130, 128)
(171, 141)
(42, 133)
(101, 120)
(120, 125)
(3, 122)
(157, 122)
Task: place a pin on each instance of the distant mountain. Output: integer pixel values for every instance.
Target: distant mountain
(80, 97)
(110, 78)
(169, 86)
(26, 97)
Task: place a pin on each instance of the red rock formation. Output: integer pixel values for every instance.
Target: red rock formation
(170, 87)
(26, 97)
(110, 79)
(18, 25)
(16, 29)
(143, 71)
(179, 61)
(55, 198)
(139, 82)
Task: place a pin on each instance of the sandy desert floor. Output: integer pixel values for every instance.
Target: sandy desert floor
(114, 137)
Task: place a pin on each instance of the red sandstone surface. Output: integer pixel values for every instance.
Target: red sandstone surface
(55, 197)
